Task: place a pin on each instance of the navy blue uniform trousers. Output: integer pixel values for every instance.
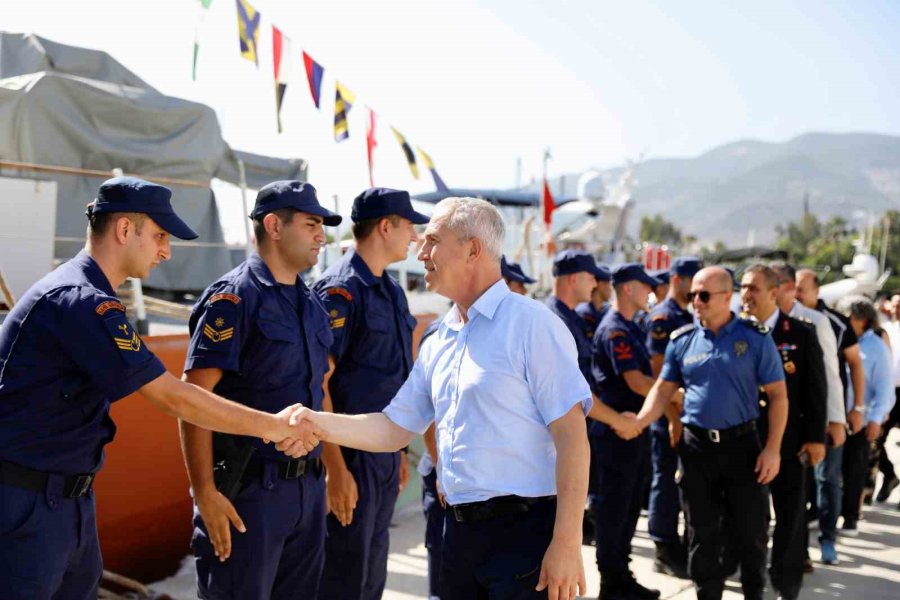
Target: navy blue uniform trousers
(434, 531)
(621, 470)
(665, 502)
(496, 559)
(50, 543)
(356, 555)
(719, 486)
(281, 555)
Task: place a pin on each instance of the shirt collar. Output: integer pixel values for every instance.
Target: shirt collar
(261, 271)
(360, 266)
(560, 305)
(93, 272)
(770, 322)
(486, 305)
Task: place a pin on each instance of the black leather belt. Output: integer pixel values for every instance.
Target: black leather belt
(718, 436)
(291, 469)
(74, 486)
(501, 506)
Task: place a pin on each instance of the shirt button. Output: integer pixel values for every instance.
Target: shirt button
(269, 485)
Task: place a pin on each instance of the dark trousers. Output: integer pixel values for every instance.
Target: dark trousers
(790, 536)
(280, 556)
(884, 461)
(434, 531)
(855, 469)
(496, 559)
(48, 544)
(621, 473)
(665, 502)
(356, 555)
(718, 485)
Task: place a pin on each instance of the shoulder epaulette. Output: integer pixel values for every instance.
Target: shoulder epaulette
(681, 331)
(804, 319)
(756, 326)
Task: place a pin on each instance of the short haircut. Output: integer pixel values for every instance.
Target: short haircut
(784, 271)
(815, 277)
(863, 309)
(769, 275)
(285, 215)
(100, 223)
(472, 218)
(365, 228)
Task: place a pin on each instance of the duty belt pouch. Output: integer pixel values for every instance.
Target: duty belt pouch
(230, 460)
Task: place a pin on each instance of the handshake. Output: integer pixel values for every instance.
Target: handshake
(626, 425)
(296, 431)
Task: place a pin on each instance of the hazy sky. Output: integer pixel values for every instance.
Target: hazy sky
(478, 84)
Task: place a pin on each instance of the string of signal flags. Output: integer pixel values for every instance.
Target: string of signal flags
(249, 22)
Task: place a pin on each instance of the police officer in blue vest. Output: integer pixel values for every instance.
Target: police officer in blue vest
(592, 312)
(260, 337)
(574, 278)
(67, 351)
(726, 468)
(621, 377)
(665, 505)
(371, 358)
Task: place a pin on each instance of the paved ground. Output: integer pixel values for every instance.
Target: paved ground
(869, 568)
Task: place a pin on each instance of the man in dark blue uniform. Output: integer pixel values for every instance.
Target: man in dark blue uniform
(665, 505)
(371, 357)
(67, 351)
(725, 469)
(621, 378)
(260, 337)
(592, 312)
(804, 435)
(574, 273)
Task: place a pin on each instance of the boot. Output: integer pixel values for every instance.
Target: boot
(671, 559)
(613, 587)
(636, 590)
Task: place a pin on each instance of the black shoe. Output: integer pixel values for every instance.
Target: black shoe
(638, 591)
(612, 587)
(671, 559)
(887, 486)
(807, 566)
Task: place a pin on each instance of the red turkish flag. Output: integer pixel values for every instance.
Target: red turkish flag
(370, 144)
(548, 204)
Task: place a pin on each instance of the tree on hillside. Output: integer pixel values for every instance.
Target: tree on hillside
(656, 230)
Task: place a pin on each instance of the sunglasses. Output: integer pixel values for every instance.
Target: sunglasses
(704, 296)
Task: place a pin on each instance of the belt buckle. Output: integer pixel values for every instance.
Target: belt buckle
(81, 485)
(294, 468)
(714, 436)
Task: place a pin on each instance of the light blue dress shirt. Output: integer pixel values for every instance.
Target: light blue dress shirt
(876, 359)
(493, 385)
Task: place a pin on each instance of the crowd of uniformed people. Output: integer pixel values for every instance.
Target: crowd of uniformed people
(540, 425)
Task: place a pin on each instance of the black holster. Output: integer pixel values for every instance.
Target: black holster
(230, 460)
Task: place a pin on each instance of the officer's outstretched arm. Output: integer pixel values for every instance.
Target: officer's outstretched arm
(657, 400)
(206, 409)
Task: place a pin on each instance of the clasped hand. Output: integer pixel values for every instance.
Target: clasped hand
(299, 434)
(627, 426)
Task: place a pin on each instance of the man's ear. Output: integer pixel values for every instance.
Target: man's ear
(476, 250)
(273, 226)
(123, 228)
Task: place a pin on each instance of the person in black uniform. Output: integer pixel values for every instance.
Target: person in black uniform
(621, 377)
(725, 468)
(804, 436)
(67, 352)
(592, 312)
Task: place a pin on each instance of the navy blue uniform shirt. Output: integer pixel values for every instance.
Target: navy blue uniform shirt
(372, 329)
(721, 374)
(270, 340)
(66, 352)
(591, 316)
(578, 327)
(618, 347)
(665, 318)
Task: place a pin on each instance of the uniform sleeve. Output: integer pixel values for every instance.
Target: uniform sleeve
(813, 390)
(671, 370)
(338, 298)
(658, 334)
(412, 408)
(622, 353)
(551, 369)
(94, 332)
(769, 368)
(219, 328)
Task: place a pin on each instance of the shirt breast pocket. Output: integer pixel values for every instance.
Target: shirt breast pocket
(276, 354)
(377, 347)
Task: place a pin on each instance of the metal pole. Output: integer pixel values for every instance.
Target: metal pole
(248, 250)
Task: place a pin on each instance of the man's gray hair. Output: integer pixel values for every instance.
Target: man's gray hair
(472, 218)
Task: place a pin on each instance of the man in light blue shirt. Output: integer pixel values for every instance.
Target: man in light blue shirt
(500, 379)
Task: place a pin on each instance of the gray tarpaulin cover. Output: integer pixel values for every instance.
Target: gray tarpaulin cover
(74, 107)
